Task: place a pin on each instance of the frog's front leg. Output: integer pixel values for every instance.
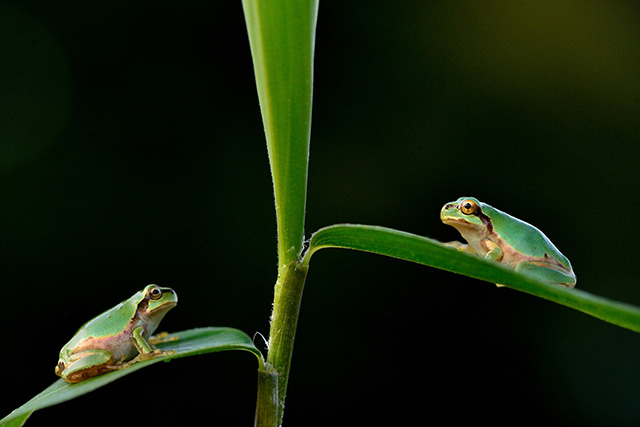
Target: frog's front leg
(494, 251)
(460, 246)
(546, 274)
(145, 349)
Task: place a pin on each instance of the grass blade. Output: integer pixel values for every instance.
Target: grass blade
(422, 250)
(190, 343)
(282, 38)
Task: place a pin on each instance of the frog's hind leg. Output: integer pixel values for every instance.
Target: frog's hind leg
(85, 364)
(547, 274)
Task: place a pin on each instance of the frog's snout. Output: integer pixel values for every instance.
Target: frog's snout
(443, 212)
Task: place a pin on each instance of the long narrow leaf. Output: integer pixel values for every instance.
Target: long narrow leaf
(282, 37)
(190, 343)
(422, 250)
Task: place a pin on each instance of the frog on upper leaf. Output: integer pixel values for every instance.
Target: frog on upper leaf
(497, 236)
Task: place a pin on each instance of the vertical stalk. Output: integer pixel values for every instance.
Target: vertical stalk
(267, 402)
(283, 325)
(282, 40)
(281, 338)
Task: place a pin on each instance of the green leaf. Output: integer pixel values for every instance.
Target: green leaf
(422, 250)
(282, 38)
(189, 343)
(18, 421)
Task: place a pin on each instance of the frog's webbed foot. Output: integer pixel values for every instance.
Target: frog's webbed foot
(120, 364)
(460, 246)
(152, 355)
(141, 357)
(162, 337)
(146, 349)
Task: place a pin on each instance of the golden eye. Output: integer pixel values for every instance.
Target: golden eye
(154, 292)
(468, 207)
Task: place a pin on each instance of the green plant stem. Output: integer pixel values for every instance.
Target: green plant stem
(286, 309)
(282, 39)
(267, 400)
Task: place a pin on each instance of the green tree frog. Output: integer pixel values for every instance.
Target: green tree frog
(497, 236)
(118, 337)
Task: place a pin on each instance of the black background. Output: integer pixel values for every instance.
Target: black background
(132, 152)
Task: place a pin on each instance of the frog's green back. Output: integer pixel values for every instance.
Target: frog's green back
(110, 322)
(523, 236)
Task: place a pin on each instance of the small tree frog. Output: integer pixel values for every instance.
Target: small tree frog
(497, 236)
(118, 337)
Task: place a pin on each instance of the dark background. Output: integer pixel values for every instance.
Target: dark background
(132, 152)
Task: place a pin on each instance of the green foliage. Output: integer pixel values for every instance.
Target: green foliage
(282, 38)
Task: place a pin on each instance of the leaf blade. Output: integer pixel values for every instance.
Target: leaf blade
(422, 250)
(282, 39)
(190, 343)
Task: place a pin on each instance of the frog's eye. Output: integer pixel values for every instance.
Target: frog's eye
(468, 207)
(154, 292)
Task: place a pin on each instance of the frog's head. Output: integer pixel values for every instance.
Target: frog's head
(465, 214)
(156, 302)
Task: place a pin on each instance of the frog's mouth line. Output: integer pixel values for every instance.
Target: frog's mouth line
(164, 306)
(144, 305)
(467, 228)
(450, 220)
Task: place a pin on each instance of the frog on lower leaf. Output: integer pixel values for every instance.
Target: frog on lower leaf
(498, 236)
(118, 337)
